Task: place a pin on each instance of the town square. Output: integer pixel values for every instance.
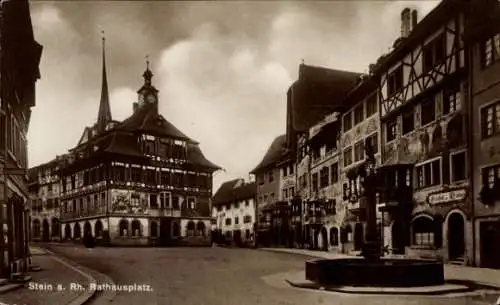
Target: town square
(250, 152)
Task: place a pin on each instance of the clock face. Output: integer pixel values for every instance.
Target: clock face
(151, 98)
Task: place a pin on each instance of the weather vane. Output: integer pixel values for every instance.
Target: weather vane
(147, 61)
(103, 37)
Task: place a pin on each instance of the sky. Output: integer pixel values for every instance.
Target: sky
(222, 68)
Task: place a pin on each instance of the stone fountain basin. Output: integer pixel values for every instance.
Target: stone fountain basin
(375, 273)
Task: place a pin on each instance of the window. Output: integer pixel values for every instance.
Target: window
(331, 207)
(371, 105)
(324, 177)
(372, 140)
(359, 151)
(247, 219)
(228, 221)
(423, 233)
(434, 52)
(247, 203)
(348, 156)
(191, 202)
(175, 202)
(151, 176)
(271, 177)
(315, 182)
(2, 133)
(284, 171)
(428, 112)
(236, 220)
(136, 228)
(491, 50)
(458, 167)
(153, 203)
(347, 121)
(291, 170)
(395, 81)
(135, 200)
(162, 149)
(490, 120)
(391, 130)
(408, 121)
(491, 176)
(292, 191)
(334, 173)
(451, 100)
(149, 147)
(165, 178)
(429, 174)
(136, 174)
(358, 114)
(261, 179)
(285, 193)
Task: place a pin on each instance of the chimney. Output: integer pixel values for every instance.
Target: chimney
(414, 19)
(135, 106)
(405, 22)
(371, 68)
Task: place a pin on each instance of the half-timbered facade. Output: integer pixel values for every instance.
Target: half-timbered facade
(136, 182)
(19, 70)
(360, 127)
(45, 190)
(483, 34)
(423, 108)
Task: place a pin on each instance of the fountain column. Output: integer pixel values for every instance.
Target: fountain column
(371, 247)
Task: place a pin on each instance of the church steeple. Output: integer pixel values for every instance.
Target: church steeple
(104, 115)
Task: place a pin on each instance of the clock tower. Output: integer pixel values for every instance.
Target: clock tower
(148, 94)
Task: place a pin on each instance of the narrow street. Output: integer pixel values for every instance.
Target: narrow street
(217, 276)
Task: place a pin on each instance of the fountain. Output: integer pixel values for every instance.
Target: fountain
(371, 269)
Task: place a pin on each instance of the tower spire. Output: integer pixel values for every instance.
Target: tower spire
(148, 75)
(104, 115)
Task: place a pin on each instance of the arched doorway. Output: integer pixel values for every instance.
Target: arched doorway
(67, 232)
(200, 228)
(98, 229)
(87, 229)
(56, 225)
(77, 231)
(456, 237)
(358, 236)
(136, 228)
(45, 230)
(324, 239)
(334, 237)
(153, 229)
(36, 229)
(176, 230)
(398, 237)
(190, 228)
(123, 228)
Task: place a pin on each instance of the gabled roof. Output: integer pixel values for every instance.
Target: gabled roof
(234, 190)
(146, 119)
(273, 154)
(195, 156)
(318, 92)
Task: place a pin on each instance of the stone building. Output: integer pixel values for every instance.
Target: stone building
(267, 176)
(325, 188)
(45, 190)
(484, 36)
(424, 117)
(136, 182)
(20, 56)
(234, 210)
(360, 127)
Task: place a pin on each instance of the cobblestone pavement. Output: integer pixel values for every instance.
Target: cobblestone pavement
(220, 276)
(53, 273)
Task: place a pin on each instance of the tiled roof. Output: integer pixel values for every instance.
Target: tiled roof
(273, 154)
(316, 93)
(230, 191)
(195, 156)
(146, 119)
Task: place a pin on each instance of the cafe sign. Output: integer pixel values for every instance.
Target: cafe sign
(449, 196)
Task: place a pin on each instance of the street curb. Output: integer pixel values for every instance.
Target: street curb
(107, 295)
(10, 287)
(87, 294)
